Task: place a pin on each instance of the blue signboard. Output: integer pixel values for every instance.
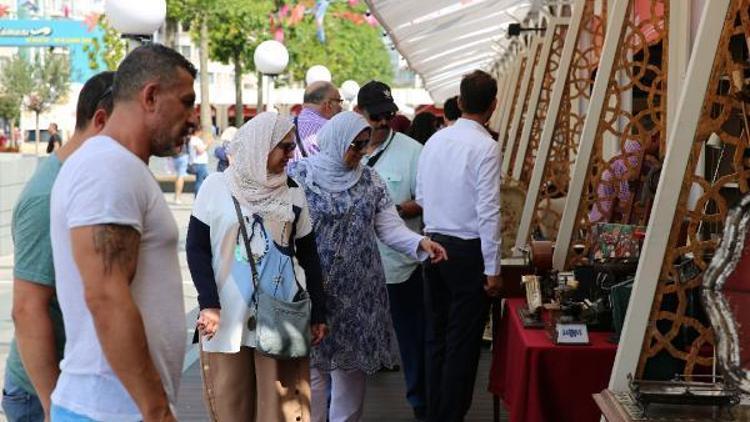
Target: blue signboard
(67, 33)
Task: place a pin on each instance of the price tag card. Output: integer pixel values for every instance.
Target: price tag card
(572, 334)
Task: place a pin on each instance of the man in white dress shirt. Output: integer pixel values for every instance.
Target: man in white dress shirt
(458, 186)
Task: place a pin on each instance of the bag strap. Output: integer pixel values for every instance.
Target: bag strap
(374, 159)
(248, 250)
(297, 137)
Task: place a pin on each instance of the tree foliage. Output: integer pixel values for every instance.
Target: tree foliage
(51, 81)
(353, 50)
(236, 27)
(110, 49)
(17, 82)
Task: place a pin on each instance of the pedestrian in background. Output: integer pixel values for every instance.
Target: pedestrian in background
(321, 102)
(198, 153)
(425, 125)
(32, 368)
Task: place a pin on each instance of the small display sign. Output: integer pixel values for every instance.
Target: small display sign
(572, 334)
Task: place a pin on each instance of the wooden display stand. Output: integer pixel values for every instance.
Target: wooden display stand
(620, 407)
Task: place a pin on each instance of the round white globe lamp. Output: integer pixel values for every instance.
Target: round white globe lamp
(271, 57)
(318, 73)
(349, 89)
(136, 18)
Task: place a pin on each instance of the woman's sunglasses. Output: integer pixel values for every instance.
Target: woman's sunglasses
(287, 146)
(388, 115)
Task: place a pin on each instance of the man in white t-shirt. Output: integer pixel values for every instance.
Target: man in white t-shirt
(114, 244)
(198, 149)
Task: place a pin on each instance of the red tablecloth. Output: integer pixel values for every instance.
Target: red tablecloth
(542, 382)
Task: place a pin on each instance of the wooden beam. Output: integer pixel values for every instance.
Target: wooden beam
(668, 193)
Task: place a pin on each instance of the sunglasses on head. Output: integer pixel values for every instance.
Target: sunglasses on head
(104, 95)
(388, 115)
(360, 144)
(287, 146)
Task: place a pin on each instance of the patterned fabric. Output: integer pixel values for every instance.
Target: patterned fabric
(355, 291)
(309, 123)
(328, 171)
(605, 191)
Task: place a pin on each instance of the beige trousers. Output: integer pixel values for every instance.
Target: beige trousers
(247, 386)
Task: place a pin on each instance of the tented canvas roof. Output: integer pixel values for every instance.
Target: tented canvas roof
(444, 39)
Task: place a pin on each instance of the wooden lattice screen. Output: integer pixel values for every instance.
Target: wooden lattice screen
(525, 108)
(639, 72)
(516, 90)
(569, 123)
(545, 94)
(677, 326)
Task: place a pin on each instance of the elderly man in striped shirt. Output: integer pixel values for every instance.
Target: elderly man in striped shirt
(321, 102)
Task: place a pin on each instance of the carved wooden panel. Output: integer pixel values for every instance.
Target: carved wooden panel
(569, 124)
(516, 90)
(525, 109)
(545, 94)
(675, 330)
(611, 189)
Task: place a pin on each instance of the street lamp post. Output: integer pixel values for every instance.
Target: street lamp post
(137, 20)
(271, 58)
(349, 90)
(317, 73)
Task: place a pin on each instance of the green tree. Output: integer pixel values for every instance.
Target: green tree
(17, 82)
(236, 27)
(352, 50)
(51, 83)
(192, 14)
(109, 49)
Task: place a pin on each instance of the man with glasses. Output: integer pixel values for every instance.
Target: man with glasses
(321, 102)
(395, 156)
(32, 370)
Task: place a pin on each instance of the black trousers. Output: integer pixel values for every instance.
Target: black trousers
(407, 312)
(456, 307)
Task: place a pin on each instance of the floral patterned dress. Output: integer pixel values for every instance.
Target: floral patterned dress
(356, 298)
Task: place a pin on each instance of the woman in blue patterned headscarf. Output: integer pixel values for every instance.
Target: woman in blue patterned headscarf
(351, 208)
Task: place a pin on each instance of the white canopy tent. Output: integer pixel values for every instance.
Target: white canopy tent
(444, 39)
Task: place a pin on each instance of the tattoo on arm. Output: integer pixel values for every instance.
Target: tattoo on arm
(118, 246)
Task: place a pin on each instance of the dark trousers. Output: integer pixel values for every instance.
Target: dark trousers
(456, 307)
(407, 312)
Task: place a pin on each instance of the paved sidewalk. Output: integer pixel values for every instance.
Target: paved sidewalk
(182, 215)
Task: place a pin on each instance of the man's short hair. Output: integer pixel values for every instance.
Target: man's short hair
(451, 110)
(95, 94)
(478, 90)
(317, 92)
(143, 65)
(53, 125)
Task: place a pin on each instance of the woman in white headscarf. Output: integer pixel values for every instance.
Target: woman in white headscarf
(240, 384)
(350, 209)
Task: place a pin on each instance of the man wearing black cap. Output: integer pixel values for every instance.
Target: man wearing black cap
(395, 156)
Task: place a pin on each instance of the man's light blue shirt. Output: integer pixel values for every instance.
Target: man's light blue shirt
(397, 166)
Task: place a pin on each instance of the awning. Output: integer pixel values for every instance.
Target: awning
(444, 39)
